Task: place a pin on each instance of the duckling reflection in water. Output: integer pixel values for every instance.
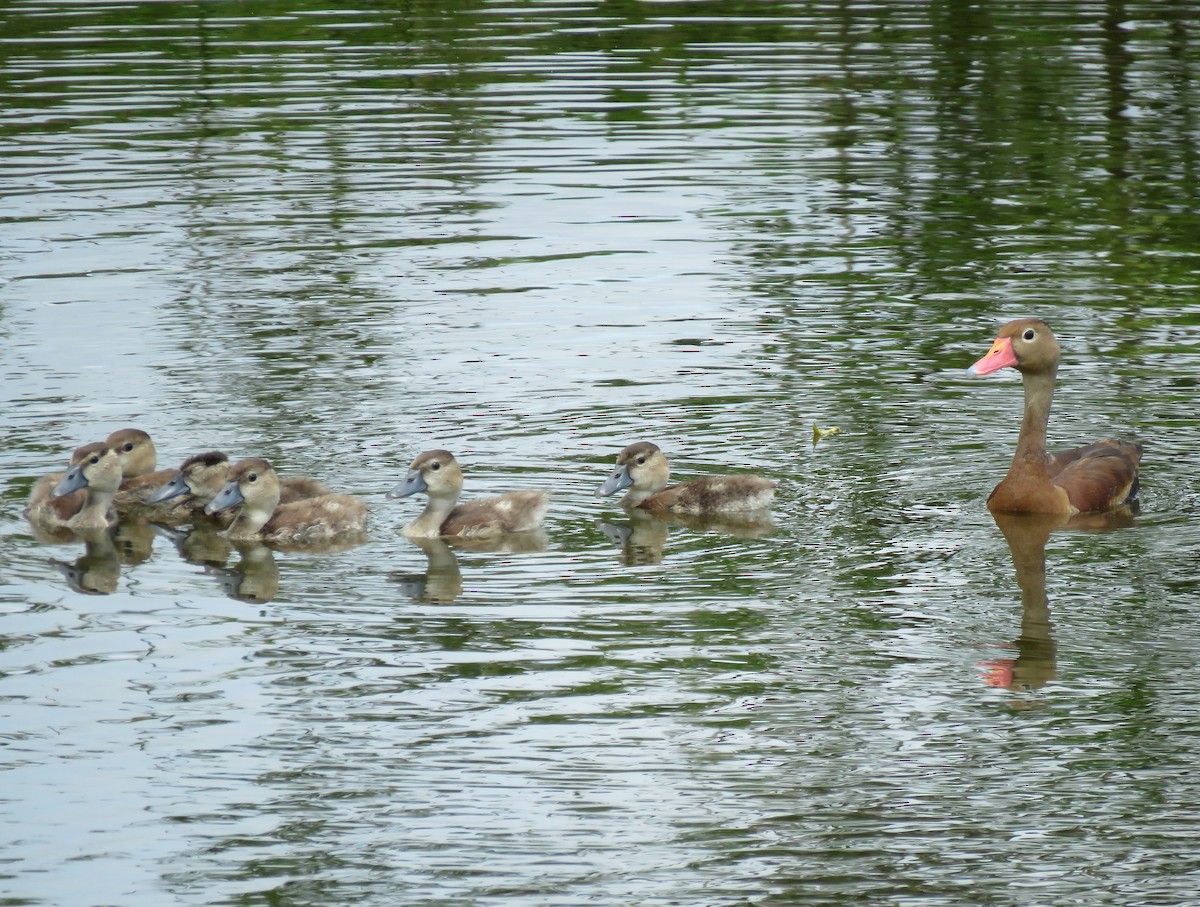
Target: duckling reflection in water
(97, 570)
(642, 540)
(442, 581)
(328, 521)
(200, 544)
(255, 577)
(438, 475)
(201, 478)
(644, 470)
(134, 539)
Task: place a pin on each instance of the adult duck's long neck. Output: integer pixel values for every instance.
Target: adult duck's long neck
(1031, 444)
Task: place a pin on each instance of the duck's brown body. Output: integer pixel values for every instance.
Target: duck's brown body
(201, 478)
(139, 466)
(1099, 476)
(644, 469)
(438, 475)
(254, 485)
(48, 511)
(96, 471)
(136, 452)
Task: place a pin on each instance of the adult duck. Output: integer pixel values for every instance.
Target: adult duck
(644, 470)
(438, 475)
(1097, 477)
(254, 487)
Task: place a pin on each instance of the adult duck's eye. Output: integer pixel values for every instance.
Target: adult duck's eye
(1029, 334)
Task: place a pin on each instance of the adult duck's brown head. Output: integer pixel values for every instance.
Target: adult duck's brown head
(1027, 344)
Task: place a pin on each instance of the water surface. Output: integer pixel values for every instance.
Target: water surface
(532, 234)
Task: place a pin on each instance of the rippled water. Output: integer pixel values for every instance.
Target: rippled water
(532, 234)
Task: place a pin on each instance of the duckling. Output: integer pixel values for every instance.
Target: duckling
(99, 471)
(136, 451)
(254, 485)
(200, 479)
(139, 460)
(438, 474)
(643, 468)
(45, 510)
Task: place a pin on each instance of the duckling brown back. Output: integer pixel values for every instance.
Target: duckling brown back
(515, 511)
(314, 519)
(318, 518)
(716, 494)
(644, 469)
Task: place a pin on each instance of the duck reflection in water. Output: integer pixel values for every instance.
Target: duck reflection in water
(442, 581)
(643, 539)
(134, 539)
(255, 577)
(106, 550)
(202, 544)
(95, 572)
(1027, 534)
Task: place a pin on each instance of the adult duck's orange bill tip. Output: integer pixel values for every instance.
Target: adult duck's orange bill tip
(1000, 356)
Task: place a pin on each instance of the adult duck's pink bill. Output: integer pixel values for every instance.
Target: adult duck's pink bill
(1000, 356)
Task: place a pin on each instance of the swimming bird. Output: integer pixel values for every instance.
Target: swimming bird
(1096, 477)
(139, 466)
(98, 469)
(438, 475)
(644, 469)
(254, 487)
(200, 478)
(47, 511)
